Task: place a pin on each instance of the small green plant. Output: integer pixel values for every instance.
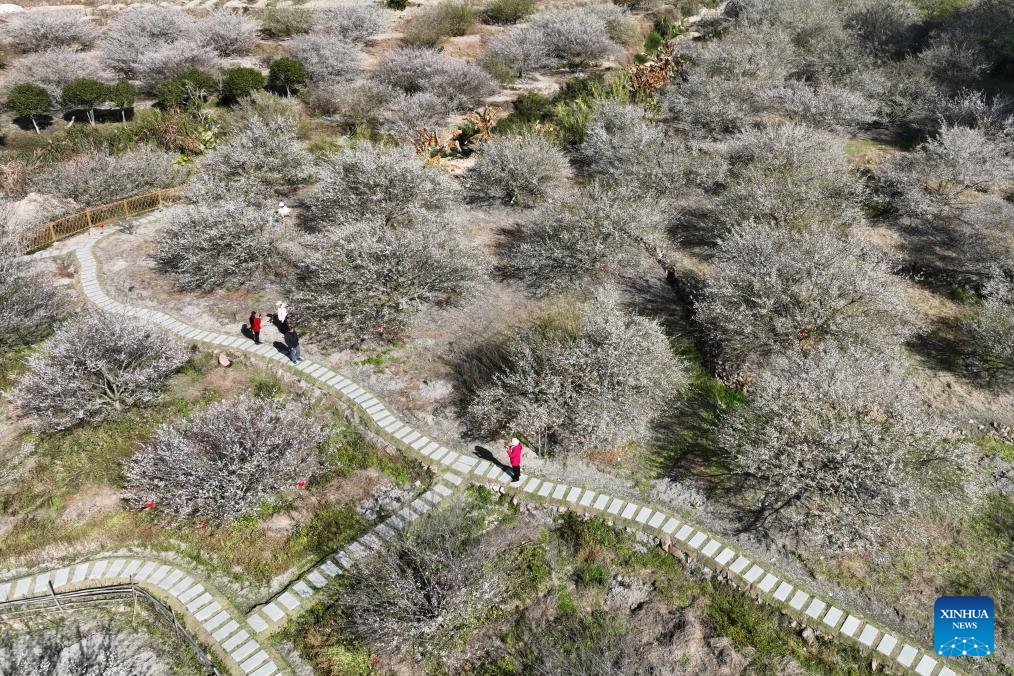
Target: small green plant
(592, 575)
(508, 11)
(652, 42)
(29, 100)
(502, 72)
(397, 5)
(448, 19)
(240, 82)
(266, 385)
(189, 90)
(286, 73)
(283, 22)
(565, 606)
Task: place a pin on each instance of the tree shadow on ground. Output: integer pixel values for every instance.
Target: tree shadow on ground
(945, 346)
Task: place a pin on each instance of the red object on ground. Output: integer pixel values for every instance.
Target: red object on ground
(149, 504)
(300, 483)
(514, 453)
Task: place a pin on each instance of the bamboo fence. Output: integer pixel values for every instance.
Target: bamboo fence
(41, 236)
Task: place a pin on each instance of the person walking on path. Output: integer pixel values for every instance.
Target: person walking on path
(255, 326)
(514, 452)
(282, 316)
(292, 342)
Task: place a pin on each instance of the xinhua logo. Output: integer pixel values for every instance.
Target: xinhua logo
(963, 626)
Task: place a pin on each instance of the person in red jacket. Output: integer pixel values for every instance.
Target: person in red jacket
(514, 452)
(255, 326)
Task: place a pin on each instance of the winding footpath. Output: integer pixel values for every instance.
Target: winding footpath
(239, 641)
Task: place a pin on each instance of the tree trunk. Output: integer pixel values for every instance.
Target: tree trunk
(72, 120)
(35, 125)
(123, 115)
(91, 116)
(287, 93)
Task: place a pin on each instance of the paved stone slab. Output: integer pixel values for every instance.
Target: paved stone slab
(783, 590)
(725, 556)
(946, 671)
(656, 520)
(289, 600)
(21, 587)
(559, 492)
(614, 506)
(697, 540)
(670, 526)
(98, 569)
(191, 593)
(710, 548)
(172, 578)
(328, 568)
(753, 574)
(798, 599)
(234, 640)
(257, 623)
(601, 502)
(302, 589)
(316, 579)
(253, 662)
(815, 608)
(739, 564)
(869, 634)
(546, 488)
(267, 670)
(213, 623)
(159, 574)
(684, 532)
(629, 510)
(887, 645)
(851, 625)
(5, 589)
(115, 567)
(225, 630)
(833, 617)
(642, 516)
(131, 568)
(573, 495)
(531, 485)
(199, 602)
(767, 583)
(207, 611)
(907, 655)
(586, 498)
(273, 612)
(80, 571)
(41, 584)
(244, 650)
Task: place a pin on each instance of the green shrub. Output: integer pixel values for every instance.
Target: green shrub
(189, 89)
(652, 42)
(448, 19)
(85, 92)
(240, 82)
(592, 575)
(508, 11)
(29, 100)
(286, 73)
(530, 108)
(397, 5)
(502, 72)
(283, 22)
(122, 95)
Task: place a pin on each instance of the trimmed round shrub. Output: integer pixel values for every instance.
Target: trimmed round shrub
(226, 461)
(286, 73)
(240, 82)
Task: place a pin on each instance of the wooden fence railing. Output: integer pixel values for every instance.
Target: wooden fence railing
(41, 236)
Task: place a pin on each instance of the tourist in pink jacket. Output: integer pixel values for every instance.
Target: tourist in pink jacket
(514, 452)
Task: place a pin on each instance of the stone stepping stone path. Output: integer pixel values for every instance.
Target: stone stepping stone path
(206, 614)
(298, 596)
(757, 578)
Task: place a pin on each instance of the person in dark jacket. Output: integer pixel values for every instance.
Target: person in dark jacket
(255, 326)
(292, 342)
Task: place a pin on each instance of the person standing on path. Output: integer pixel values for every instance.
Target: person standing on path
(292, 341)
(282, 316)
(255, 326)
(514, 452)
